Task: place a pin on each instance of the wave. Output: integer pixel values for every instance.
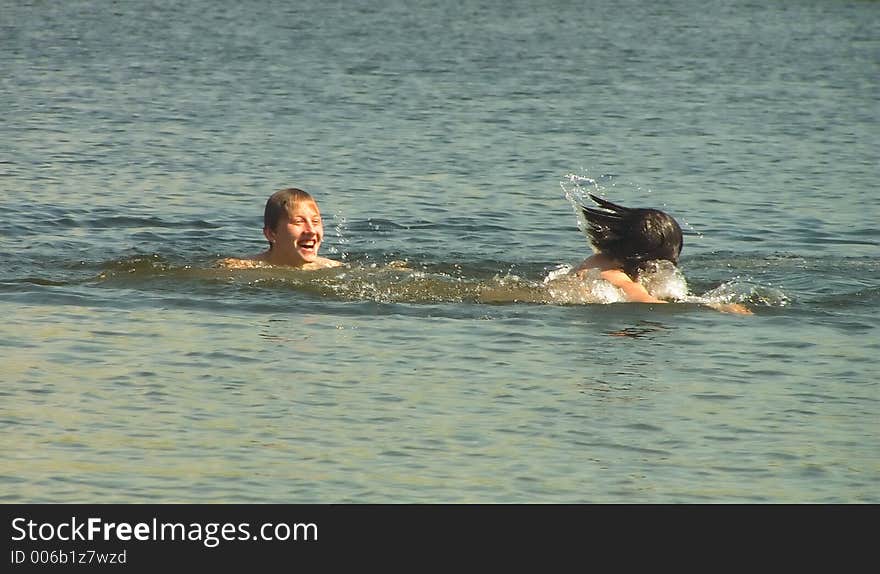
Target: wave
(404, 281)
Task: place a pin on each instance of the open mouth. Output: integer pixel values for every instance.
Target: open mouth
(308, 244)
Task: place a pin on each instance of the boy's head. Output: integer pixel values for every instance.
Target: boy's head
(292, 225)
(281, 204)
(633, 236)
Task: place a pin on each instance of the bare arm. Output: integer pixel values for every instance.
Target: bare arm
(634, 290)
(637, 293)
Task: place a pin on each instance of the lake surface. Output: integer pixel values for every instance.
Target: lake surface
(443, 362)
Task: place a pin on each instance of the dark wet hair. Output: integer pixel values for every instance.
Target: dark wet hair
(634, 237)
(281, 204)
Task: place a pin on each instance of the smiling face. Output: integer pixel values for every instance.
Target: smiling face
(296, 239)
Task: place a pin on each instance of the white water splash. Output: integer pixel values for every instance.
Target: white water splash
(577, 189)
(665, 281)
(568, 289)
(739, 290)
(341, 230)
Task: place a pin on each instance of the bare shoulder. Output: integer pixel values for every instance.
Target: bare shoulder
(616, 277)
(236, 263)
(321, 263)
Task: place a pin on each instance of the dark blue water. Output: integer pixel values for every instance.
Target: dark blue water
(441, 141)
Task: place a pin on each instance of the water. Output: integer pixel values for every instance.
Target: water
(443, 363)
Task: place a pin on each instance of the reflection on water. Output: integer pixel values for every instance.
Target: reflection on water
(641, 330)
